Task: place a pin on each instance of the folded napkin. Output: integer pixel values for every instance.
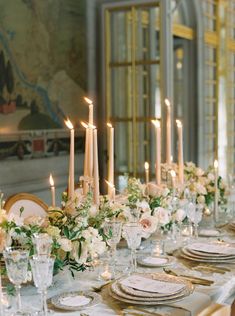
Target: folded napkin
(216, 310)
(195, 303)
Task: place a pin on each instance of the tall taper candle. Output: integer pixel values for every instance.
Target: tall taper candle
(216, 211)
(168, 131)
(111, 158)
(71, 160)
(180, 151)
(96, 169)
(52, 185)
(157, 125)
(90, 151)
(91, 110)
(86, 159)
(146, 168)
(111, 189)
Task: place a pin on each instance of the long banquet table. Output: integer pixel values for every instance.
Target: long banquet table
(222, 291)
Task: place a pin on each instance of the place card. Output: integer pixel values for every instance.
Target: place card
(155, 260)
(78, 300)
(223, 248)
(149, 285)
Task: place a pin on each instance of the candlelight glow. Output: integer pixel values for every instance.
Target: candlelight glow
(179, 123)
(109, 125)
(172, 159)
(68, 123)
(110, 184)
(216, 164)
(84, 124)
(167, 102)
(146, 165)
(51, 180)
(156, 123)
(173, 174)
(88, 100)
(91, 126)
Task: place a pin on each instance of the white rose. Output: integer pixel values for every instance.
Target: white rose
(149, 224)
(144, 206)
(93, 211)
(201, 199)
(211, 176)
(199, 172)
(162, 215)
(199, 188)
(65, 244)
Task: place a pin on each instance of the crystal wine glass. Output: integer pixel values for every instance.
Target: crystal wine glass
(42, 243)
(42, 270)
(113, 229)
(16, 259)
(132, 232)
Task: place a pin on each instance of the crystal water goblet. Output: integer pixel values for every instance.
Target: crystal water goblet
(132, 232)
(113, 229)
(16, 259)
(42, 243)
(42, 270)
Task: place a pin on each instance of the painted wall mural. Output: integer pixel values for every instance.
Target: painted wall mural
(43, 63)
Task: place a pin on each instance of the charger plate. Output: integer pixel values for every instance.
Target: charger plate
(133, 296)
(210, 256)
(90, 299)
(217, 261)
(155, 261)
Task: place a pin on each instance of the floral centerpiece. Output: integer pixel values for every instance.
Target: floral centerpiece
(76, 230)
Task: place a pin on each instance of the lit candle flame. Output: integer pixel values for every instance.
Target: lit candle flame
(146, 165)
(88, 100)
(84, 124)
(173, 174)
(156, 123)
(68, 124)
(110, 184)
(167, 102)
(51, 180)
(179, 123)
(109, 125)
(216, 164)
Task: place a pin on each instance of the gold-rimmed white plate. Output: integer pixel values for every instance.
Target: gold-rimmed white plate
(204, 255)
(76, 300)
(155, 261)
(217, 261)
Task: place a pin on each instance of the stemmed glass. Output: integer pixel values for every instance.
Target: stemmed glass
(42, 270)
(16, 259)
(42, 243)
(113, 229)
(194, 214)
(132, 232)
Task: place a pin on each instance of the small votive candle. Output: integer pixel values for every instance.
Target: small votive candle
(106, 275)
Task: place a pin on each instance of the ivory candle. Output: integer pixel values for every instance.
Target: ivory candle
(157, 125)
(52, 184)
(111, 189)
(216, 213)
(180, 151)
(91, 110)
(111, 158)
(146, 168)
(168, 131)
(86, 160)
(173, 177)
(96, 169)
(71, 160)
